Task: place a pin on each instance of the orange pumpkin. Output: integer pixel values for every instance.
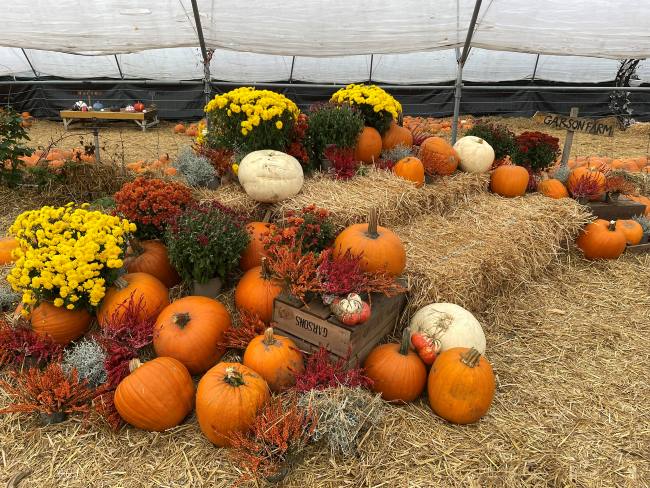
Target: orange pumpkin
(179, 128)
(397, 371)
(438, 156)
(228, 399)
(552, 188)
(256, 292)
(380, 247)
(156, 396)
(632, 230)
(143, 287)
(396, 136)
(7, 245)
(368, 146)
(602, 240)
(151, 257)
(61, 324)
(509, 181)
(589, 172)
(191, 330)
(461, 385)
(411, 169)
(276, 359)
(252, 255)
(25, 115)
(170, 171)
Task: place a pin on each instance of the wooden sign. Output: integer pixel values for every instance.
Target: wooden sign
(598, 127)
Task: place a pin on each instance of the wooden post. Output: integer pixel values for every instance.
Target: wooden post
(569, 140)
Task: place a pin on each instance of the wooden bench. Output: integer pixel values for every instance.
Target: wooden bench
(143, 119)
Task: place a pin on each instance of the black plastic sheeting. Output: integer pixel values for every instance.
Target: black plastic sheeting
(185, 102)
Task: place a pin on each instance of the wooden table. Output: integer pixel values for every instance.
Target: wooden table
(143, 119)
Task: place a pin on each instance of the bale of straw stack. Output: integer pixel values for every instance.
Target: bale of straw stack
(488, 247)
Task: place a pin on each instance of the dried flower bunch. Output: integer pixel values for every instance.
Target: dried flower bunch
(322, 372)
(87, 358)
(239, 337)
(343, 163)
(195, 168)
(20, 345)
(587, 186)
(311, 228)
(298, 272)
(297, 142)
(221, 158)
(620, 185)
(151, 203)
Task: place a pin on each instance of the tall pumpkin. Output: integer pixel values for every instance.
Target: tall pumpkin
(256, 292)
(276, 359)
(602, 240)
(228, 399)
(396, 371)
(395, 136)
(252, 255)
(61, 324)
(438, 157)
(143, 287)
(190, 330)
(7, 245)
(632, 230)
(368, 146)
(156, 396)
(411, 169)
(509, 181)
(461, 385)
(151, 257)
(552, 188)
(381, 248)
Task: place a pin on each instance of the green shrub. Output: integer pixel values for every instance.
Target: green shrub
(12, 137)
(498, 136)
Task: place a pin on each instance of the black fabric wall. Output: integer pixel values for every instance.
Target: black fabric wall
(185, 101)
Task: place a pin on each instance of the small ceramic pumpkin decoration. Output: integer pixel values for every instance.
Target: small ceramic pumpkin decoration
(397, 372)
(395, 136)
(382, 249)
(252, 255)
(7, 245)
(351, 310)
(368, 148)
(552, 188)
(228, 399)
(450, 325)
(411, 169)
(602, 240)
(270, 176)
(151, 257)
(461, 385)
(509, 181)
(256, 292)
(632, 229)
(156, 396)
(190, 330)
(476, 155)
(142, 287)
(61, 324)
(276, 359)
(438, 157)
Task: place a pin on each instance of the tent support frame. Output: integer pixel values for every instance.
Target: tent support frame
(207, 55)
(30, 63)
(119, 68)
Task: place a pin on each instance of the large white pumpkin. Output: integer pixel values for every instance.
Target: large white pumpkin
(476, 155)
(270, 176)
(450, 324)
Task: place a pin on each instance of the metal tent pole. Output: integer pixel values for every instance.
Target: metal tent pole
(119, 68)
(30, 63)
(459, 70)
(206, 57)
(535, 68)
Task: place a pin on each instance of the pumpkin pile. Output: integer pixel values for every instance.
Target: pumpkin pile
(162, 165)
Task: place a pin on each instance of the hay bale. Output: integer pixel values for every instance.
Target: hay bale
(233, 196)
(492, 245)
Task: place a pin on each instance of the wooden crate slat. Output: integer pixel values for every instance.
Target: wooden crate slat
(638, 249)
(317, 308)
(621, 209)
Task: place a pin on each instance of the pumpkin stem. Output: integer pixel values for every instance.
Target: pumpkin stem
(136, 246)
(181, 319)
(267, 216)
(406, 341)
(233, 377)
(134, 364)
(612, 225)
(265, 273)
(268, 336)
(121, 283)
(373, 222)
(470, 358)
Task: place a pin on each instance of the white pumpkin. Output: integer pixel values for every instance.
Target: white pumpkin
(476, 155)
(270, 176)
(451, 325)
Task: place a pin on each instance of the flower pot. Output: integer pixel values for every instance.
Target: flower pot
(210, 289)
(612, 197)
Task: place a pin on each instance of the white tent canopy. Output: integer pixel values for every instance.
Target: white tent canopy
(402, 42)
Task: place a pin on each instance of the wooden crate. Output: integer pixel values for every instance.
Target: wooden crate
(621, 209)
(313, 325)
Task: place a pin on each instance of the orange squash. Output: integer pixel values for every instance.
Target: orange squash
(276, 359)
(396, 136)
(396, 371)
(61, 324)
(143, 287)
(411, 169)
(228, 399)
(461, 385)
(509, 181)
(368, 146)
(191, 330)
(7, 245)
(151, 257)
(380, 247)
(256, 292)
(156, 396)
(552, 188)
(438, 156)
(179, 128)
(602, 240)
(252, 255)
(632, 230)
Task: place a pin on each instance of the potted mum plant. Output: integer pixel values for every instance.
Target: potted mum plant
(205, 244)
